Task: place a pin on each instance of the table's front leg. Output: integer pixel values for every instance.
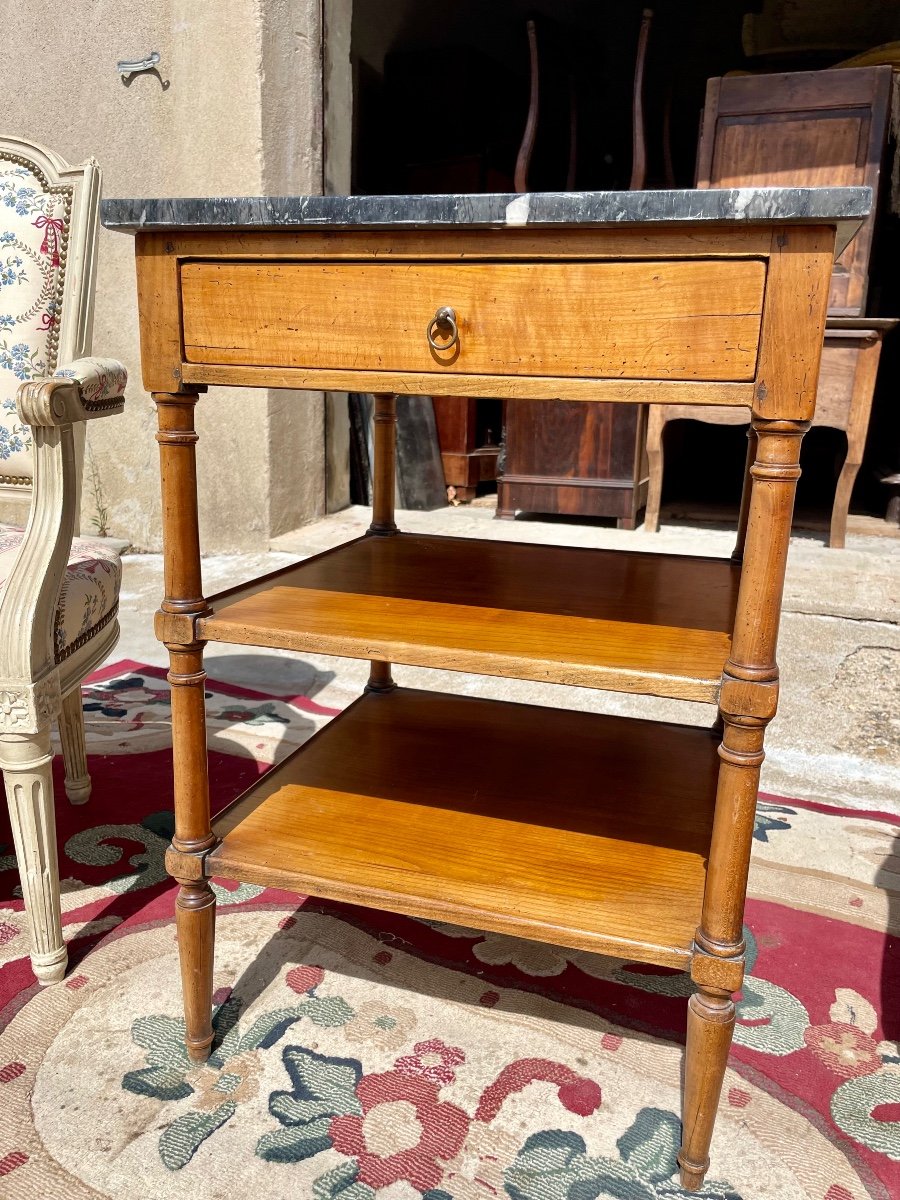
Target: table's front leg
(747, 703)
(195, 906)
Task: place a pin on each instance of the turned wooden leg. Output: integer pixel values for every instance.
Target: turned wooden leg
(71, 735)
(383, 489)
(195, 920)
(26, 760)
(380, 678)
(656, 423)
(195, 907)
(709, 1029)
(384, 474)
(748, 700)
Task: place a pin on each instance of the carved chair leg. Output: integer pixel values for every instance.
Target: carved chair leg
(857, 429)
(195, 920)
(709, 1030)
(838, 533)
(71, 734)
(656, 423)
(26, 760)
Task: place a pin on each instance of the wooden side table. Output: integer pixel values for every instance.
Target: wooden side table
(608, 834)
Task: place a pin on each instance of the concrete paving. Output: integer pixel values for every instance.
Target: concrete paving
(835, 739)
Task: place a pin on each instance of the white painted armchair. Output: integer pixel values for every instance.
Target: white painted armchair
(58, 593)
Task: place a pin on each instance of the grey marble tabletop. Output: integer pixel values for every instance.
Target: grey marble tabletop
(846, 207)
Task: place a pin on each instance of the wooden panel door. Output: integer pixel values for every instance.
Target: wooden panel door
(803, 129)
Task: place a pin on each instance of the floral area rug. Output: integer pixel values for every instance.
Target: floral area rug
(366, 1056)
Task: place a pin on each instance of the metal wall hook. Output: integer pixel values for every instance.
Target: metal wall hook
(129, 67)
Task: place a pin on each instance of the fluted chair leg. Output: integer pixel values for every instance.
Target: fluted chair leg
(26, 760)
(71, 735)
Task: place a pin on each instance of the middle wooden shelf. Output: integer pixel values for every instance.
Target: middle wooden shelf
(649, 623)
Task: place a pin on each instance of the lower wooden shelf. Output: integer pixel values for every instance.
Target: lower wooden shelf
(581, 830)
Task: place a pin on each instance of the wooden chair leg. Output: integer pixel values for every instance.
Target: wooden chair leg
(656, 423)
(838, 533)
(709, 1030)
(26, 760)
(864, 379)
(71, 735)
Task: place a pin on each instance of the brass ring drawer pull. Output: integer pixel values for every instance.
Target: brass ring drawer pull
(444, 320)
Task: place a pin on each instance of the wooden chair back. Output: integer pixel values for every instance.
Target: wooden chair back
(803, 129)
(48, 238)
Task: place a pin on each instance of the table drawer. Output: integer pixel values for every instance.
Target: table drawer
(680, 319)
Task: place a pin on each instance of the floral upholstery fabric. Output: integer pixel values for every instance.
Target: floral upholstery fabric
(99, 378)
(90, 591)
(33, 236)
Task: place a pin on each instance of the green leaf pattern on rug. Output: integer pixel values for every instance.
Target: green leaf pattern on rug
(94, 848)
(229, 1076)
(238, 895)
(651, 1144)
(770, 819)
(323, 1088)
(178, 1144)
(555, 1165)
(782, 1019)
(854, 1103)
(341, 1184)
(329, 1098)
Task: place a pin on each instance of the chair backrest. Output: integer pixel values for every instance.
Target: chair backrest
(48, 238)
(804, 129)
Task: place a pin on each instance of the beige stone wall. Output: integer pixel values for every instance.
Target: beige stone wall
(235, 110)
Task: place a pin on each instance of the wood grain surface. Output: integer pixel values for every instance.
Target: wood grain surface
(646, 320)
(650, 623)
(581, 830)
(434, 383)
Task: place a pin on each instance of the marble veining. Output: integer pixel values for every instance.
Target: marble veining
(845, 206)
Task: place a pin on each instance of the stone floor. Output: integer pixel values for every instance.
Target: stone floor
(837, 734)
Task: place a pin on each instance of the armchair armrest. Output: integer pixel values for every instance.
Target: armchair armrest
(80, 391)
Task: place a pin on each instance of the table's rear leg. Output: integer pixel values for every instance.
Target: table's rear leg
(384, 482)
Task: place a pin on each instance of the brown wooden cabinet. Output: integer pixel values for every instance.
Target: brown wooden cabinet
(585, 460)
(469, 435)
